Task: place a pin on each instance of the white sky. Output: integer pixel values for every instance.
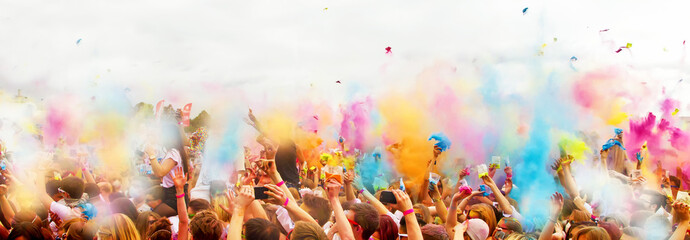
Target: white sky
(154, 47)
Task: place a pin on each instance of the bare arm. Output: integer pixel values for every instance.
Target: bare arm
(242, 201)
(291, 206)
(349, 190)
(441, 210)
(5, 204)
(180, 180)
(341, 222)
(556, 206)
(502, 201)
(414, 232)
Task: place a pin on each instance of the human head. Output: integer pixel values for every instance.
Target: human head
(424, 211)
(612, 229)
(591, 233)
(477, 229)
(81, 231)
(484, 212)
(92, 190)
(198, 205)
(160, 224)
(154, 196)
(118, 227)
(205, 226)
(161, 235)
(580, 216)
(126, 207)
(26, 231)
(364, 220)
(52, 189)
(144, 220)
(260, 229)
(73, 186)
(388, 229)
(106, 188)
(506, 226)
(516, 236)
(308, 183)
(218, 201)
(434, 232)
(317, 207)
(307, 231)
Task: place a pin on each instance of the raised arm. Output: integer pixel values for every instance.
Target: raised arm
(502, 201)
(681, 216)
(291, 206)
(380, 208)
(269, 166)
(341, 222)
(348, 178)
(441, 210)
(5, 204)
(452, 217)
(162, 168)
(242, 201)
(405, 206)
(180, 180)
(556, 206)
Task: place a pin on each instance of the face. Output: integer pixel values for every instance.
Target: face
(356, 229)
(151, 202)
(501, 230)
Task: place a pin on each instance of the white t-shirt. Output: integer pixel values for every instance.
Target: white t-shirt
(64, 212)
(167, 181)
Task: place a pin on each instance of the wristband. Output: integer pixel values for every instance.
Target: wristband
(286, 202)
(180, 196)
(411, 210)
(280, 183)
(361, 190)
(509, 176)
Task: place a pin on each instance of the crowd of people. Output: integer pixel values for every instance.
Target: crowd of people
(280, 195)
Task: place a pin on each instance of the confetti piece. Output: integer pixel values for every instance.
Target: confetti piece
(338, 82)
(78, 41)
(605, 30)
(675, 112)
(683, 42)
(555, 39)
(388, 50)
(524, 11)
(324, 9)
(573, 58)
(316, 117)
(629, 45)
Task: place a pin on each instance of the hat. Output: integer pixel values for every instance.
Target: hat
(477, 229)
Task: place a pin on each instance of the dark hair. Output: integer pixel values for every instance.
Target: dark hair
(26, 230)
(388, 230)
(126, 207)
(161, 235)
(261, 229)
(92, 190)
(319, 208)
(52, 187)
(205, 227)
(156, 192)
(160, 224)
(434, 232)
(73, 186)
(198, 205)
(367, 217)
(142, 222)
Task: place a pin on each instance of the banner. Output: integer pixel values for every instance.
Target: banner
(185, 114)
(158, 109)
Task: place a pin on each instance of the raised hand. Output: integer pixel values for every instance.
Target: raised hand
(508, 171)
(404, 202)
(488, 181)
(178, 178)
(230, 195)
(349, 177)
(3, 189)
(556, 203)
(333, 188)
(681, 212)
(580, 202)
(244, 197)
(556, 166)
(277, 193)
